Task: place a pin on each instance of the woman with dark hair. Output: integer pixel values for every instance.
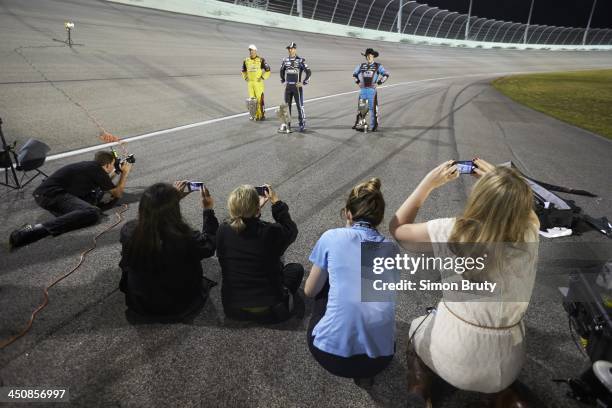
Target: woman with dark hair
(348, 337)
(160, 259)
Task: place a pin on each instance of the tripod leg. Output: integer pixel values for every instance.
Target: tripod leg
(15, 177)
(9, 151)
(6, 179)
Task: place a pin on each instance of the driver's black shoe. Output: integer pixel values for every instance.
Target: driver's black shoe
(26, 235)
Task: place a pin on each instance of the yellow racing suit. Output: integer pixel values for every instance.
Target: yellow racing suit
(255, 71)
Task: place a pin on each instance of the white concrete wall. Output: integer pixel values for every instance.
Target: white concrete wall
(226, 11)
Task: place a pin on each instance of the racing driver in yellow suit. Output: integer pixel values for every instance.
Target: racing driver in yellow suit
(255, 70)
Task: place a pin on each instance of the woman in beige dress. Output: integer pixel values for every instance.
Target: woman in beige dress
(474, 343)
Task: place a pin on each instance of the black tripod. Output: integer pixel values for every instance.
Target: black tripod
(7, 155)
(30, 157)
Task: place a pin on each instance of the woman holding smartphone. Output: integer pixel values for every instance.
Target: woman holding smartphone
(256, 284)
(475, 344)
(161, 255)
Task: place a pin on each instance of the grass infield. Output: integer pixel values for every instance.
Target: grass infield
(582, 98)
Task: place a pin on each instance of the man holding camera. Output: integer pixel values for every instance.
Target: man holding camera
(291, 72)
(73, 194)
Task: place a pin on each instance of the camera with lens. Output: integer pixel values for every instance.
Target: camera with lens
(588, 304)
(119, 160)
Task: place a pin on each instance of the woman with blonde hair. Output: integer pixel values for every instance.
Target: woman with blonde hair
(347, 336)
(474, 343)
(256, 284)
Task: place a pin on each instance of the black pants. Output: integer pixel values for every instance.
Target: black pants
(292, 93)
(293, 274)
(137, 312)
(71, 213)
(357, 366)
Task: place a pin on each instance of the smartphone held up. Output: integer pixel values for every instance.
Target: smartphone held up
(262, 190)
(465, 166)
(195, 186)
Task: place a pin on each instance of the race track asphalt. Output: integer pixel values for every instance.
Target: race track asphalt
(139, 71)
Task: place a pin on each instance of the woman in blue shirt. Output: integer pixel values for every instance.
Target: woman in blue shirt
(348, 337)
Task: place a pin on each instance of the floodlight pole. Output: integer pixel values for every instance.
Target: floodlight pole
(467, 25)
(586, 32)
(399, 17)
(528, 22)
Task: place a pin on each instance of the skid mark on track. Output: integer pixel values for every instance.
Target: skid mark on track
(306, 215)
(335, 149)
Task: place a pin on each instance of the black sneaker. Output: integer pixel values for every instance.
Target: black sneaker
(26, 235)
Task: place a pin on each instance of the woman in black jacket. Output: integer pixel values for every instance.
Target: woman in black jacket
(256, 284)
(160, 259)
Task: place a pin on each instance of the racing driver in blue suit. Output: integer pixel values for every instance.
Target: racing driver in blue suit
(368, 75)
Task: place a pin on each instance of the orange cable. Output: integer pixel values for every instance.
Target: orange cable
(46, 290)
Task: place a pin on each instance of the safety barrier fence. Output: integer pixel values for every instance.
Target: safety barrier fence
(387, 20)
(418, 19)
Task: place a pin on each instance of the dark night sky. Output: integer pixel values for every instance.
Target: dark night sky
(570, 13)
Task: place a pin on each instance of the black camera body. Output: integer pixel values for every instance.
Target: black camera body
(590, 312)
(119, 160)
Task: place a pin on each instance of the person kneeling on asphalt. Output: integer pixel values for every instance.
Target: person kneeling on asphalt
(161, 255)
(474, 343)
(349, 337)
(72, 194)
(256, 285)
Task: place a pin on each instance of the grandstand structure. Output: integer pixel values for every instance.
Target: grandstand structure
(420, 19)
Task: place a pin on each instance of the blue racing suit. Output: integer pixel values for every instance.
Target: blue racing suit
(368, 76)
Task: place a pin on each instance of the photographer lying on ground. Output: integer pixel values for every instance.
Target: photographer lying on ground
(475, 345)
(256, 284)
(72, 194)
(160, 259)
